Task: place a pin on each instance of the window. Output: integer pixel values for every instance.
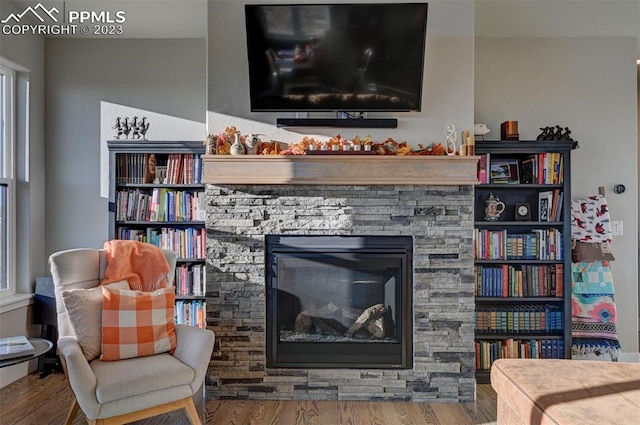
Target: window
(292, 21)
(7, 183)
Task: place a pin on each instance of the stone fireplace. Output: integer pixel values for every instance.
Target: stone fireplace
(438, 219)
(339, 301)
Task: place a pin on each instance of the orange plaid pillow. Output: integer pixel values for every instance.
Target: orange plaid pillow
(136, 324)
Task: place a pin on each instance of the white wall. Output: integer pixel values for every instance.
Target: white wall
(447, 91)
(588, 85)
(89, 83)
(27, 52)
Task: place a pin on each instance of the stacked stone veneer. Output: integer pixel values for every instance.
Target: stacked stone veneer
(440, 219)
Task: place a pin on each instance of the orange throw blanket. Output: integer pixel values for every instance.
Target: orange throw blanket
(142, 264)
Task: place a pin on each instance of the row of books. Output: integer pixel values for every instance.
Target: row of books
(520, 281)
(540, 244)
(527, 318)
(543, 168)
(188, 243)
(191, 313)
(160, 204)
(550, 205)
(489, 351)
(191, 279)
(137, 168)
(184, 169)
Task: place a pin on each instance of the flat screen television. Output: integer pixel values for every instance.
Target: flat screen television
(336, 57)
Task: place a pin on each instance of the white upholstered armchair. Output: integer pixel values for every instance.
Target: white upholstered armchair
(121, 391)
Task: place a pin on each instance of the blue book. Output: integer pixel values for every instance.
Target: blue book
(197, 169)
(171, 213)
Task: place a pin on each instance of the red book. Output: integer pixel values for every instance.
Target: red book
(505, 280)
(541, 168)
(559, 280)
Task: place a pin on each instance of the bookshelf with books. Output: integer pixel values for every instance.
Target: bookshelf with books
(522, 251)
(156, 195)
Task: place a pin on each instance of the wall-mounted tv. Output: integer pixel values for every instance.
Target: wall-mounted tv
(336, 57)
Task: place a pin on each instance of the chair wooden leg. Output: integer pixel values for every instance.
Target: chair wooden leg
(192, 413)
(73, 411)
(187, 403)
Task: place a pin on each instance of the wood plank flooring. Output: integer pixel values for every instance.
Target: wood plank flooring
(34, 401)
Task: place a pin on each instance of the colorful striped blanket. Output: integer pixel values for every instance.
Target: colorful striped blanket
(593, 320)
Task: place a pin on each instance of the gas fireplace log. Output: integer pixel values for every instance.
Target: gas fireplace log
(377, 327)
(328, 326)
(306, 323)
(369, 315)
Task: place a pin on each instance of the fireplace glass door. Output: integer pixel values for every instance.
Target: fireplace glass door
(338, 301)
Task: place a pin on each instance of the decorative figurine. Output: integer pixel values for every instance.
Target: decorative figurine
(118, 127)
(134, 127)
(493, 207)
(452, 138)
(140, 128)
(480, 130)
(557, 133)
(211, 143)
(126, 127)
(252, 142)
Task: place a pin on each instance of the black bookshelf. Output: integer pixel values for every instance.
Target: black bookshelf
(129, 157)
(556, 343)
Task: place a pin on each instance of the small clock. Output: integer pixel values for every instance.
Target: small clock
(523, 212)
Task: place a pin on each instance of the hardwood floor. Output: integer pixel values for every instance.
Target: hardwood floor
(34, 401)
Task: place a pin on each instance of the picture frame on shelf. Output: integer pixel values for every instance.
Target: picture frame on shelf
(151, 163)
(544, 205)
(161, 174)
(505, 171)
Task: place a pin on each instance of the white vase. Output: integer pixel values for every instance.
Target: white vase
(237, 148)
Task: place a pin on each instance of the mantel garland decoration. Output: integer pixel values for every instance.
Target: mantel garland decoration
(222, 143)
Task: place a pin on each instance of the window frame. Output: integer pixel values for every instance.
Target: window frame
(7, 175)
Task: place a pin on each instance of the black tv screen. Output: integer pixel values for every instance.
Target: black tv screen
(336, 57)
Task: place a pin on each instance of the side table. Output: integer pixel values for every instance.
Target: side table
(41, 346)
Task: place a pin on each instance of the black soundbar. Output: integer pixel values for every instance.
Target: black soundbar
(338, 122)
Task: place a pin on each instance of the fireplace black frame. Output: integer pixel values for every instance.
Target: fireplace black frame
(343, 354)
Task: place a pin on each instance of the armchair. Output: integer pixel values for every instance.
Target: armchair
(122, 391)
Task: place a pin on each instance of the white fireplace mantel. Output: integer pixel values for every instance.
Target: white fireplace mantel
(340, 169)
